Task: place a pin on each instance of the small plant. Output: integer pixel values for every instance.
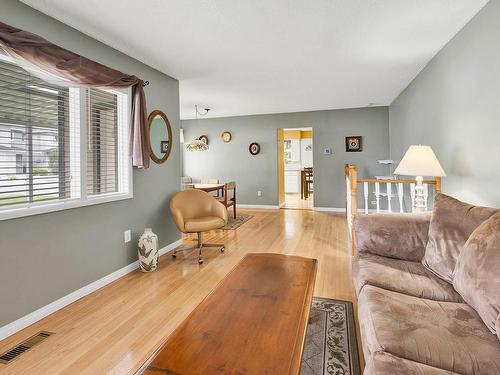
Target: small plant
(12, 178)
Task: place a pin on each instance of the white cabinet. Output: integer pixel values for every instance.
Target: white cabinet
(292, 182)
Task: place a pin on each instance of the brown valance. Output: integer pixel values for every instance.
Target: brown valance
(75, 70)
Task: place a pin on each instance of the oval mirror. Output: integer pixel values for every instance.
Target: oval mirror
(160, 136)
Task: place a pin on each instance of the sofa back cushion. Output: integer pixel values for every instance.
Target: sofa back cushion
(399, 236)
(477, 275)
(451, 225)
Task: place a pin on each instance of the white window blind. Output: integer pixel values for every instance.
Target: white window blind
(59, 144)
(102, 140)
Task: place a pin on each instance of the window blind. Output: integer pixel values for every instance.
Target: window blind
(59, 143)
(35, 163)
(102, 140)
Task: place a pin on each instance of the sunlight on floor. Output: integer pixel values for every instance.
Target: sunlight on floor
(294, 201)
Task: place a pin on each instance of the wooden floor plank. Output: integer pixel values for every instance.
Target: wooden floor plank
(113, 330)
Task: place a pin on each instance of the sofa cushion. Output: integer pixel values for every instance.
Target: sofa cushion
(401, 276)
(399, 236)
(451, 225)
(447, 335)
(477, 274)
(384, 363)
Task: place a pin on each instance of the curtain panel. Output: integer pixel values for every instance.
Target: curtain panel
(73, 70)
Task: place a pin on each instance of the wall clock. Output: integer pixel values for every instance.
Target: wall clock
(204, 139)
(353, 144)
(226, 136)
(254, 148)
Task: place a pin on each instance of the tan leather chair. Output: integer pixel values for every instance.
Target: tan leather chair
(196, 211)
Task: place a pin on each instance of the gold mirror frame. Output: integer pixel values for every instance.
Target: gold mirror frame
(152, 155)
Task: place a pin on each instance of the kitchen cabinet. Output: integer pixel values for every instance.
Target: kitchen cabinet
(292, 181)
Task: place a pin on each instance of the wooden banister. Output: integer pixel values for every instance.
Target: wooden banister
(438, 184)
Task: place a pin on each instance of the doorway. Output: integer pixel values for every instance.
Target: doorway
(295, 168)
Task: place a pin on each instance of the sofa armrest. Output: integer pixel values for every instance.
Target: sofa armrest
(401, 236)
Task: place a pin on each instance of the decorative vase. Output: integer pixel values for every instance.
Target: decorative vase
(148, 252)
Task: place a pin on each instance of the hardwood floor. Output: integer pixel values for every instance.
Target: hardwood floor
(295, 202)
(115, 329)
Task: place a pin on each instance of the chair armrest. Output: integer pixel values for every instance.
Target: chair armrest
(219, 210)
(401, 236)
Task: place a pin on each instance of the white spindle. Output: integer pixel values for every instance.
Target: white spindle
(412, 194)
(365, 192)
(389, 197)
(426, 194)
(377, 195)
(400, 196)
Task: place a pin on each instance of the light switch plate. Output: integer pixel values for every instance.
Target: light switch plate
(127, 236)
(327, 151)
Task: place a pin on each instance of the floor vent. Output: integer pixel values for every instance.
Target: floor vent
(23, 347)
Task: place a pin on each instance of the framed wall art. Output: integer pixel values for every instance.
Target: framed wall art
(354, 143)
(254, 148)
(204, 139)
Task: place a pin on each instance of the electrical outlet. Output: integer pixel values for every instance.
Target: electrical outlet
(127, 236)
(259, 193)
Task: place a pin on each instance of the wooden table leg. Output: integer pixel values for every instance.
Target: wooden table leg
(301, 184)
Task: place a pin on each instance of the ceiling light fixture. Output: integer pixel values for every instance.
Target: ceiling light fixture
(196, 144)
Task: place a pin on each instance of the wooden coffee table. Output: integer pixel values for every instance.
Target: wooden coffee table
(253, 322)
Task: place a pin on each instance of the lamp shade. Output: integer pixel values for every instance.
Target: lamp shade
(420, 161)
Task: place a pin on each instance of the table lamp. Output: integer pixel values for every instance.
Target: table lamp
(420, 161)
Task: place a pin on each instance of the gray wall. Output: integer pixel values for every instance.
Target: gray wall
(45, 257)
(454, 106)
(232, 161)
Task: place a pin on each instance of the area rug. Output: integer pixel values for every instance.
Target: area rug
(233, 223)
(330, 347)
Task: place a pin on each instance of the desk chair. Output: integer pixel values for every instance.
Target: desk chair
(195, 211)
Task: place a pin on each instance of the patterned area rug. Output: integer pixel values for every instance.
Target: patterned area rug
(331, 347)
(232, 223)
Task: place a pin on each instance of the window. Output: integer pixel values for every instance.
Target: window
(60, 147)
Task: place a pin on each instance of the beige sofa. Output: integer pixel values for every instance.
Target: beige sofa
(428, 288)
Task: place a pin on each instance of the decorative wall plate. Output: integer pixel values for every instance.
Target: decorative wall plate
(204, 139)
(353, 144)
(254, 148)
(226, 137)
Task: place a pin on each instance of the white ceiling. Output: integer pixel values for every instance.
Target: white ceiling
(242, 57)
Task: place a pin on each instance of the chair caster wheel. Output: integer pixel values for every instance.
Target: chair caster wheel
(200, 261)
(222, 249)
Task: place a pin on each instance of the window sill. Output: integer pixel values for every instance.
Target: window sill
(37, 209)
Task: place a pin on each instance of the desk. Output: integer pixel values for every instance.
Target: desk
(209, 187)
(253, 323)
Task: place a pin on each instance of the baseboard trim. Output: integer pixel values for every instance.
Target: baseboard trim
(35, 316)
(258, 206)
(329, 209)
